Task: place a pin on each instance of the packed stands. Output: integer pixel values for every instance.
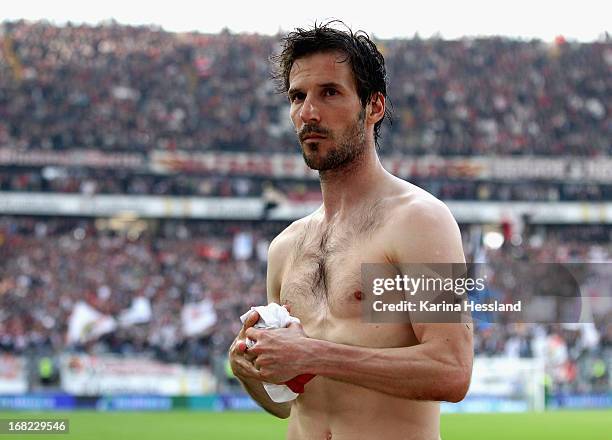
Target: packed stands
(121, 88)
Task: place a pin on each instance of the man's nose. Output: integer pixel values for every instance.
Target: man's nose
(309, 112)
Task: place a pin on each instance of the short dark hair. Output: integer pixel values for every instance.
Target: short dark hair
(367, 63)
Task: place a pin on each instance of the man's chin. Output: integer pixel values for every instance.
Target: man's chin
(317, 160)
(319, 164)
(311, 158)
(313, 164)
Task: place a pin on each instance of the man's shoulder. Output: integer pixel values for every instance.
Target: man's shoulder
(422, 228)
(418, 208)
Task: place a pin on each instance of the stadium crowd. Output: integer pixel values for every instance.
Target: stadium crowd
(121, 88)
(50, 264)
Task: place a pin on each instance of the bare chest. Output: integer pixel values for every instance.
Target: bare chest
(322, 278)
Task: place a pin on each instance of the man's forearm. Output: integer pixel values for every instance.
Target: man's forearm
(259, 394)
(420, 372)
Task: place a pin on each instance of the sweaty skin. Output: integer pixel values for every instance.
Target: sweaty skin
(373, 381)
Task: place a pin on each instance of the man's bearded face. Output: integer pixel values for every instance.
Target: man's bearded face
(336, 149)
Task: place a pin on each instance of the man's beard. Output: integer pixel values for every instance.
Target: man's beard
(349, 146)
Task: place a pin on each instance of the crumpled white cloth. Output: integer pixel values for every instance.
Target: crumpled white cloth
(273, 316)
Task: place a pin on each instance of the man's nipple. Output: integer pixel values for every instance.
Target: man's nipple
(358, 295)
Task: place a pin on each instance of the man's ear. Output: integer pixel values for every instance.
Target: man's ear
(376, 108)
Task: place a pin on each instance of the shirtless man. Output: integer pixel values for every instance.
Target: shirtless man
(373, 381)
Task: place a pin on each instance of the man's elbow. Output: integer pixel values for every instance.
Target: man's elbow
(282, 411)
(283, 415)
(457, 385)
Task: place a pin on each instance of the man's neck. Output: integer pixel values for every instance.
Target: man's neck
(349, 187)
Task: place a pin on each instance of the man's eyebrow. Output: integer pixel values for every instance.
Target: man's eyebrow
(332, 84)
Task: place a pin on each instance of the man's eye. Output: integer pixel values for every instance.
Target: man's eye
(296, 97)
(331, 92)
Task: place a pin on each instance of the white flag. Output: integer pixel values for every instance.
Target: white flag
(86, 323)
(138, 313)
(198, 318)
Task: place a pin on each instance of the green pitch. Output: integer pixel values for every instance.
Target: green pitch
(561, 425)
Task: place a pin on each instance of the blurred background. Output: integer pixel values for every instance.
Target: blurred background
(143, 174)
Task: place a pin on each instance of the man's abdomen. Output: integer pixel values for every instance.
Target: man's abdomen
(335, 410)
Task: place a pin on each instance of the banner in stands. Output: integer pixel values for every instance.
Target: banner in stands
(13, 374)
(579, 401)
(468, 168)
(138, 206)
(95, 375)
(503, 384)
(238, 402)
(272, 165)
(134, 403)
(485, 404)
(254, 208)
(491, 212)
(564, 169)
(38, 402)
(93, 158)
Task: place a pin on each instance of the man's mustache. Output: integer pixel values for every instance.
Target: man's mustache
(308, 130)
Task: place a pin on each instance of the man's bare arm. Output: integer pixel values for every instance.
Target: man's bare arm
(438, 368)
(244, 370)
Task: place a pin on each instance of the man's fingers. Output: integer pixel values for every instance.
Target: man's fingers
(249, 322)
(241, 346)
(253, 334)
(250, 357)
(252, 319)
(246, 369)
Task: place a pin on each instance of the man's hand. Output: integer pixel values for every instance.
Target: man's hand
(281, 354)
(241, 361)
